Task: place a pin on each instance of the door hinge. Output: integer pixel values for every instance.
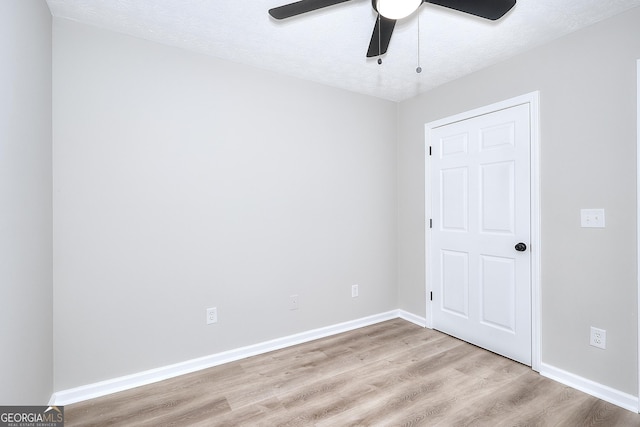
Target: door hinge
(429, 150)
(431, 295)
(430, 223)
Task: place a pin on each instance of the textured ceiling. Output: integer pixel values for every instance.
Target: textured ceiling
(329, 45)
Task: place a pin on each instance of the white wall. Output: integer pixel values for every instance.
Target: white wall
(588, 160)
(183, 182)
(25, 203)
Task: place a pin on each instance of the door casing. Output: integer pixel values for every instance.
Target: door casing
(638, 210)
(532, 99)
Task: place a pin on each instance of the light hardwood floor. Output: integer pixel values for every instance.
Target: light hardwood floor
(390, 374)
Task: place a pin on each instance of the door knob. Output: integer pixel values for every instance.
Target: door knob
(521, 247)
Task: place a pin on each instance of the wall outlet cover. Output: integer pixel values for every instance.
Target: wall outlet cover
(294, 302)
(592, 218)
(212, 315)
(598, 338)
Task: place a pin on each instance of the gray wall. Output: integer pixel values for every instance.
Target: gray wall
(25, 203)
(587, 84)
(183, 182)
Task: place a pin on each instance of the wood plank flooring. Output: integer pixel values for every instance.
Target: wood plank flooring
(390, 374)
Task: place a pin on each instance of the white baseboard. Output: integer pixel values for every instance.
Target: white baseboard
(103, 388)
(606, 393)
(410, 317)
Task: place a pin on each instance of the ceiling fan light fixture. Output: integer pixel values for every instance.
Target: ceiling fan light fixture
(397, 9)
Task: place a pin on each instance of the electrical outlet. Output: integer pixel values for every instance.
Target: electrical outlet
(293, 302)
(354, 291)
(592, 218)
(598, 338)
(212, 315)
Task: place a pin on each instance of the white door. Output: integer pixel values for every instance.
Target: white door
(481, 270)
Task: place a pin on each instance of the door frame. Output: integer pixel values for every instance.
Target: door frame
(638, 210)
(533, 99)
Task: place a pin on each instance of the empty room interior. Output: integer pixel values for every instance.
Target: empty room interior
(185, 185)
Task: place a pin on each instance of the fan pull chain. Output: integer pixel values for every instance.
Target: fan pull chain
(379, 37)
(419, 68)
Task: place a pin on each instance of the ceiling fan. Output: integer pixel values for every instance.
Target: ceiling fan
(389, 11)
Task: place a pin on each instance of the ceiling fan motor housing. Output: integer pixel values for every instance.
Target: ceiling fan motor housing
(396, 9)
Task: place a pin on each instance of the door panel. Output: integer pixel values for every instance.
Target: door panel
(497, 198)
(497, 284)
(455, 275)
(454, 201)
(454, 145)
(481, 209)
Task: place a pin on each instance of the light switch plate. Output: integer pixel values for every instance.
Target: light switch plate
(592, 218)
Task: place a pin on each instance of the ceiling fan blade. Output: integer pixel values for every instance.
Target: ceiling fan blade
(300, 7)
(489, 9)
(381, 36)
